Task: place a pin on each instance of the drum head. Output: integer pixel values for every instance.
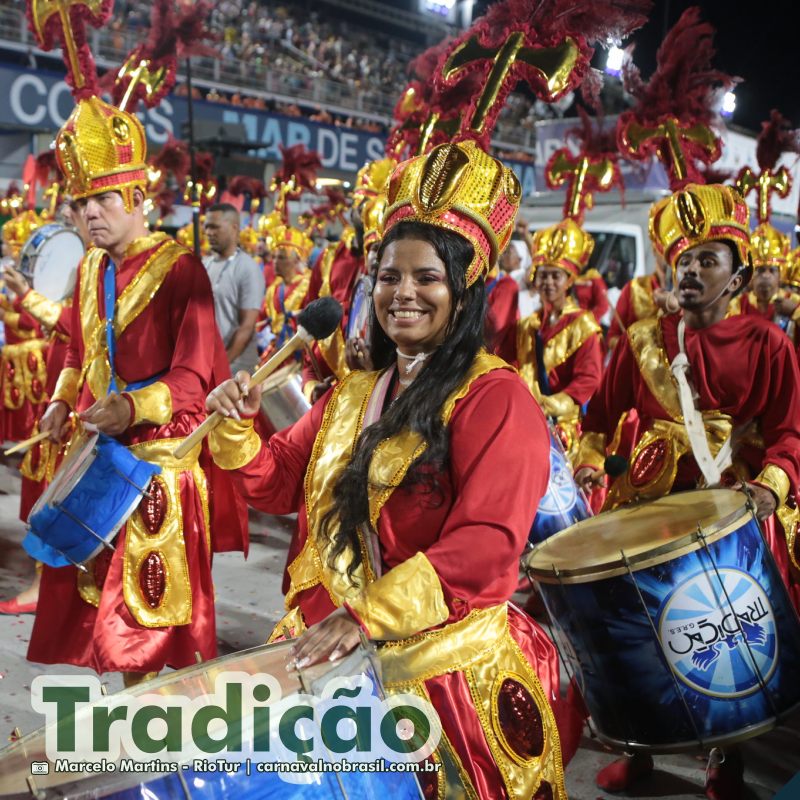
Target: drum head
(360, 307)
(74, 464)
(643, 535)
(50, 259)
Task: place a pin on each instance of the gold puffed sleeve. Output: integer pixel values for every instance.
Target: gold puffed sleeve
(404, 601)
(559, 405)
(151, 404)
(234, 444)
(43, 309)
(67, 387)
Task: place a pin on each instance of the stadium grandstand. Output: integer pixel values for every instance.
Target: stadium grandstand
(336, 63)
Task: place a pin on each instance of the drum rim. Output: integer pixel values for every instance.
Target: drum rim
(669, 551)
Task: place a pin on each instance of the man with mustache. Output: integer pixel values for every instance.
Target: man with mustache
(744, 376)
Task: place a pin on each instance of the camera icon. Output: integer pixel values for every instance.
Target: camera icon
(40, 768)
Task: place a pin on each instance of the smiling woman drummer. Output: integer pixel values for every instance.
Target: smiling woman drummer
(407, 528)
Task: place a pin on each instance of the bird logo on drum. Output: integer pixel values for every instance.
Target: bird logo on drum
(719, 636)
(561, 495)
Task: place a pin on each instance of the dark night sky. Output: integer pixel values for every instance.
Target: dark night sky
(757, 41)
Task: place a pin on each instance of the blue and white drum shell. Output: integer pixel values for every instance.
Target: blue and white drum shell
(50, 258)
(98, 486)
(563, 503)
(360, 309)
(198, 684)
(693, 641)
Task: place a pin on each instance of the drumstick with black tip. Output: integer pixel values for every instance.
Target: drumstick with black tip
(317, 321)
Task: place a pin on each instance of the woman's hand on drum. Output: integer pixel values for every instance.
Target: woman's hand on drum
(588, 479)
(110, 415)
(765, 502)
(357, 355)
(328, 640)
(16, 281)
(235, 398)
(56, 421)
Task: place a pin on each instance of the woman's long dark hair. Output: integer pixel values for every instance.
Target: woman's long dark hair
(419, 407)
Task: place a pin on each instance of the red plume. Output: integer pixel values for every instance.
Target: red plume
(45, 166)
(299, 165)
(173, 158)
(177, 30)
(684, 88)
(165, 200)
(684, 84)
(244, 184)
(204, 167)
(775, 139)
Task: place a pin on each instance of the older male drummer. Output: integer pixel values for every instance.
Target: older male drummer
(713, 400)
(144, 351)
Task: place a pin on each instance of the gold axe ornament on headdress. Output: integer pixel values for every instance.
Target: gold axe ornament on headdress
(554, 65)
(576, 173)
(765, 184)
(42, 11)
(668, 138)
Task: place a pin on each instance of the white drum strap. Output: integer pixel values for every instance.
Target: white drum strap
(711, 467)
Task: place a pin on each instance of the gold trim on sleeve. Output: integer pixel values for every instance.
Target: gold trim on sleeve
(403, 601)
(43, 309)
(234, 444)
(776, 480)
(152, 404)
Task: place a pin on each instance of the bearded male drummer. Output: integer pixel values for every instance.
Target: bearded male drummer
(143, 353)
(741, 390)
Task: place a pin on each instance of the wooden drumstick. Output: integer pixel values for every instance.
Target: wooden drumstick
(318, 321)
(25, 444)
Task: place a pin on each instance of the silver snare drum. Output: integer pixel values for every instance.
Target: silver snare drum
(282, 398)
(49, 260)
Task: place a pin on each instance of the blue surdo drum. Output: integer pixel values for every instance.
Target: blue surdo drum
(673, 620)
(220, 775)
(97, 487)
(563, 503)
(360, 308)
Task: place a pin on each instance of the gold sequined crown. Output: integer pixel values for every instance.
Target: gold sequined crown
(770, 248)
(292, 239)
(372, 179)
(702, 213)
(100, 149)
(460, 188)
(565, 245)
(655, 210)
(18, 230)
(372, 214)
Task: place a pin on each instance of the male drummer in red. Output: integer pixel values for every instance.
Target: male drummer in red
(284, 297)
(744, 376)
(143, 353)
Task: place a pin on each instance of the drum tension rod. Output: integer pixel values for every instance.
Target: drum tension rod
(37, 793)
(761, 682)
(657, 638)
(136, 486)
(83, 525)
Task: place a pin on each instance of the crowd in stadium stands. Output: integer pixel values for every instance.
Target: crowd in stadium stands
(254, 37)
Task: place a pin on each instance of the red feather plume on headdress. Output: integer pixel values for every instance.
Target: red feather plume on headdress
(177, 30)
(299, 167)
(542, 24)
(204, 167)
(173, 158)
(80, 15)
(684, 88)
(46, 165)
(244, 184)
(776, 138)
